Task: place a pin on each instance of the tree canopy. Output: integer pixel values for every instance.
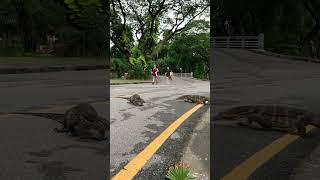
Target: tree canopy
(151, 23)
(79, 26)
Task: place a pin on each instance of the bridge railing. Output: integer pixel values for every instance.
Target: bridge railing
(183, 74)
(245, 42)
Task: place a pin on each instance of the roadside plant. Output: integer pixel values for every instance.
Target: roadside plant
(180, 171)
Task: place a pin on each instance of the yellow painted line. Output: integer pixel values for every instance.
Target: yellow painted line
(248, 167)
(137, 163)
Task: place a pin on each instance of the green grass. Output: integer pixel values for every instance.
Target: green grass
(127, 81)
(48, 60)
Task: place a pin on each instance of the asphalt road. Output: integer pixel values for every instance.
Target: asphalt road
(30, 149)
(133, 128)
(244, 78)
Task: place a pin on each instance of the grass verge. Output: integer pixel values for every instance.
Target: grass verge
(128, 81)
(49, 60)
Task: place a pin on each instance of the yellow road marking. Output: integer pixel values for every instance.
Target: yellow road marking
(137, 163)
(246, 168)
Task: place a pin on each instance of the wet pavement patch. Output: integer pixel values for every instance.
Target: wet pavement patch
(42, 153)
(225, 102)
(52, 170)
(126, 116)
(154, 127)
(99, 150)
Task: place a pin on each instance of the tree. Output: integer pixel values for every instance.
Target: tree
(149, 20)
(313, 7)
(190, 49)
(20, 15)
(90, 16)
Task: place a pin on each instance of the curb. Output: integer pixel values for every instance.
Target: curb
(129, 83)
(200, 164)
(298, 58)
(51, 69)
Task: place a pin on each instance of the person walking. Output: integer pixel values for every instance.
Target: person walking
(168, 74)
(155, 71)
(171, 74)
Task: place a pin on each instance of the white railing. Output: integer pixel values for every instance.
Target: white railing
(246, 42)
(183, 74)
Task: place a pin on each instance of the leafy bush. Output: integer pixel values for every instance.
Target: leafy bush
(180, 171)
(138, 72)
(119, 66)
(163, 63)
(199, 71)
(10, 52)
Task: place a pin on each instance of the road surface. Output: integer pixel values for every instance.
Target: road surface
(133, 128)
(30, 149)
(243, 78)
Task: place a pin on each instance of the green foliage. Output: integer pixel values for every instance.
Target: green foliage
(115, 53)
(122, 34)
(165, 62)
(191, 53)
(9, 52)
(137, 56)
(199, 71)
(155, 32)
(119, 66)
(150, 39)
(150, 20)
(138, 72)
(179, 172)
(90, 16)
(79, 25)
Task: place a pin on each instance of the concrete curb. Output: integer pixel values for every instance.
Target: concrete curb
(200, 140)
(130, 83)
(56, 68)
(298, 58)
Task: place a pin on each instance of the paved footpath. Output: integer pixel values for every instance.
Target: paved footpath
(197, 151)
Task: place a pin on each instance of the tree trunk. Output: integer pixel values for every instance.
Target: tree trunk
(306, 40)
(84, 43)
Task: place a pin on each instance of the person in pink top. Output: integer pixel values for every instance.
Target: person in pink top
(155, 71)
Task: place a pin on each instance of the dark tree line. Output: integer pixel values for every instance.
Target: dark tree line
(78, 26)
(290, 26)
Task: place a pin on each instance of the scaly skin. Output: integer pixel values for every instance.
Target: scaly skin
(135, 100)
(81, 120)
(283, 118)
(194, 99)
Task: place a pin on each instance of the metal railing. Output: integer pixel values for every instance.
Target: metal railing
(183, 74)
(245, 42)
